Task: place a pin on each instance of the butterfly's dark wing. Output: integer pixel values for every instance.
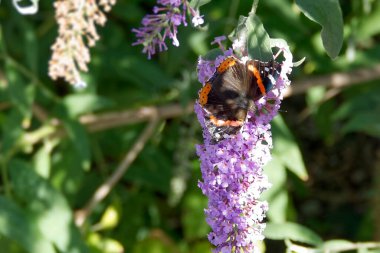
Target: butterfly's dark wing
(224, 99)
(264, 76)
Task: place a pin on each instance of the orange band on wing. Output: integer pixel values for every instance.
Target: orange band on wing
(203, 94)
(256, 73)
(227, 63)
(219, 122)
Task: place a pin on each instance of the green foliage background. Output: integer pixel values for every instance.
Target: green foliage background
(325, 170)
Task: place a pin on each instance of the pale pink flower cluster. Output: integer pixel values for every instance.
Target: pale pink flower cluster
(77, 20)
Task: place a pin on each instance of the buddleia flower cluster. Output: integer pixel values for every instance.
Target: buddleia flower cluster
(232, 169)
(163, 24)
(77, 21)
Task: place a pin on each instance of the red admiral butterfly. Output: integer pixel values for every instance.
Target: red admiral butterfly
(230, 93)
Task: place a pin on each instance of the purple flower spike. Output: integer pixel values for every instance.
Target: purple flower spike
(232, 169)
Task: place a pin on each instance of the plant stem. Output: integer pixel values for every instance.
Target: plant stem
(4, 175)
(254, 6)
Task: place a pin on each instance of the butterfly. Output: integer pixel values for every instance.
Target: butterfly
(231, 92)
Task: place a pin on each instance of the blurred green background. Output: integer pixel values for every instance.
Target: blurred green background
(58, 144)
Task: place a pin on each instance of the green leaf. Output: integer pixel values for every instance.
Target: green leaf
(157, 173)
(328, 14)
(368, 25)
(250, 31)
(78, 135)
(314, 97)
(198, 3)
(12, 131)
(367, 122)
(360, 113)
(135, 69)
(81, 103)
(201, 247)
(276, 195)
(286, 149)
(259, 46)
(9, 245)
(292, 231)
(47, 207)
(198, 43)
(21, 94)
(325, 124)
(68, 174)
(155, 245)
(193, 218)
(42, 159)
(104, 244)
(31, 46)
(17, 225)
(368, 101)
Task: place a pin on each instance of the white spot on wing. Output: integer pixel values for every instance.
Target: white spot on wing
(271, 78)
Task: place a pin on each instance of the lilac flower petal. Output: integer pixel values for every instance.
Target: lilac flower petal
(218, 39)
(175, 41)
(197, 20)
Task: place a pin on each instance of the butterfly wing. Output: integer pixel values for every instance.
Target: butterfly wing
(264, 76)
